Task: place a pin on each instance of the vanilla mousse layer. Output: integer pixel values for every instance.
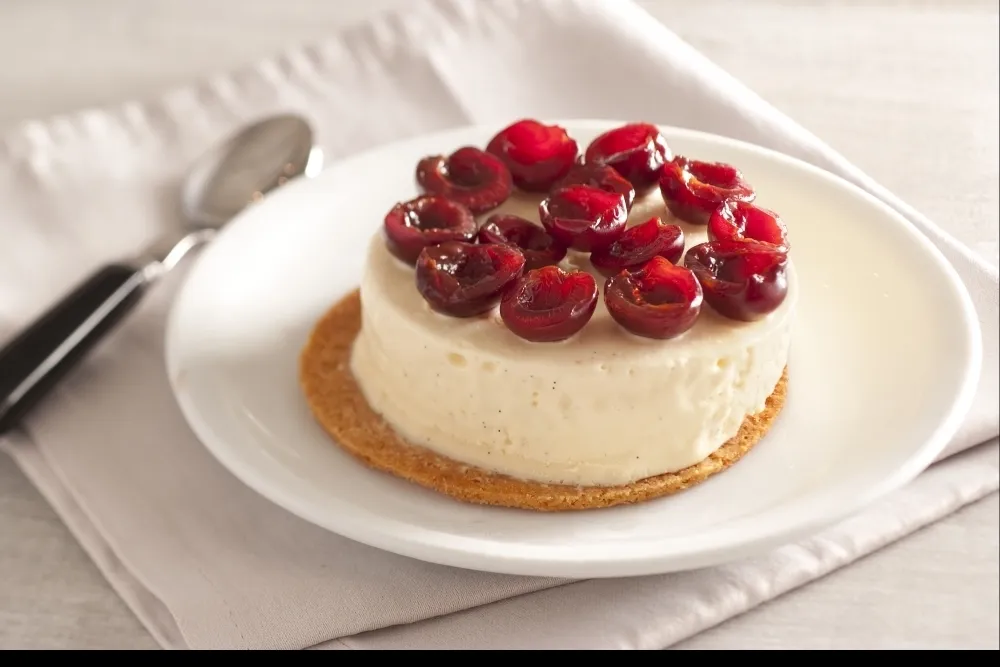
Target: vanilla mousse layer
(602, 408)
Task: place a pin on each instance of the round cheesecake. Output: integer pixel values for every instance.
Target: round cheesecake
(602, 408)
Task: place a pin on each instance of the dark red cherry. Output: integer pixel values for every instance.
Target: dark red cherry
(536, 154)
(743, 221)
(474, 178)
(426, 220)
(464, 279)
(538, 247)
(742, 280)
(658, 300)
(549, 304)
(692, 189)
(599, 176)
(637, 151)
(638, 245)
(584, 218)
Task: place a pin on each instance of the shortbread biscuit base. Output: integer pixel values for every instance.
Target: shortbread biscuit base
(340, 408)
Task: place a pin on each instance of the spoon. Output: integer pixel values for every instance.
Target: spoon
(256, 160)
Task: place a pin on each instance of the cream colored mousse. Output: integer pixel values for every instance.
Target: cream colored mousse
(602, 408)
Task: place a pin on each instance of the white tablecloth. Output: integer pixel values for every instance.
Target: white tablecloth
(921, 102)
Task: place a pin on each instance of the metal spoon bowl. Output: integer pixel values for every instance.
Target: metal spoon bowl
(226, 179)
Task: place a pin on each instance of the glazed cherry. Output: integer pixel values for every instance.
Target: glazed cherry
(426, 220)
(742, 280)
(742, 221)
(464, 279)
(474, 178)
(692, 189)
(548, 304)
(584, 218)
(637, 151)
(537, 246)
(638, 245)
(537, 155)
(599, 176)
(658, 300)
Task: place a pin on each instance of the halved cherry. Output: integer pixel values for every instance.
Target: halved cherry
(658, 300)
(693, 189)
(537, 245)
(426, 220)
(474, 178)
(548, 304)
(743, 221)
(584, 218)
(637, 151)
(742, 280)
(464, 279)
(537, 155)
(599, 176)
(638, 245)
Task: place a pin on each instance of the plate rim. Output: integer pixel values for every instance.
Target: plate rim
(786, 524)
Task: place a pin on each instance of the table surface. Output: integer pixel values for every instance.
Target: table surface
(907, 89)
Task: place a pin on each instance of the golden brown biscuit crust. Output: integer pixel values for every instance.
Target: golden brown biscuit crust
(341, 410)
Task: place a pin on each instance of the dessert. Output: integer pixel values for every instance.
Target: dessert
(426, 221)
(537, 245)
(583, 217)
(637, 151)
(471, 177)
(466, 279)
(536, 155)
(580, 344)
(599, 176)
(639, 244)
(549, 304)
(658, 300)
(742, 221)
(693, 189)
(742, 280)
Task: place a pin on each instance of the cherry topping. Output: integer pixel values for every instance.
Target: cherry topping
(659, 300)
(599, 176)
(464, 279)
(426, 220)
(743, 221)
(537, 245)
(637, 151)
(692, 189)
(537, 155)
(638, 245)
(742, 280)
(548, 304)
(584, 218)
(473, 178)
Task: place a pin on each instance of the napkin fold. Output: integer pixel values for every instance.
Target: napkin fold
(206, 563)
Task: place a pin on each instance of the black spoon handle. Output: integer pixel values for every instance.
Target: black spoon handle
(36, 359)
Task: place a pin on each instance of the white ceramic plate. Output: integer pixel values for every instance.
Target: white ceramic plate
(885, 359)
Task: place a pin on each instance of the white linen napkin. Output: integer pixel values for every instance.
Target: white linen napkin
(206, 563)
